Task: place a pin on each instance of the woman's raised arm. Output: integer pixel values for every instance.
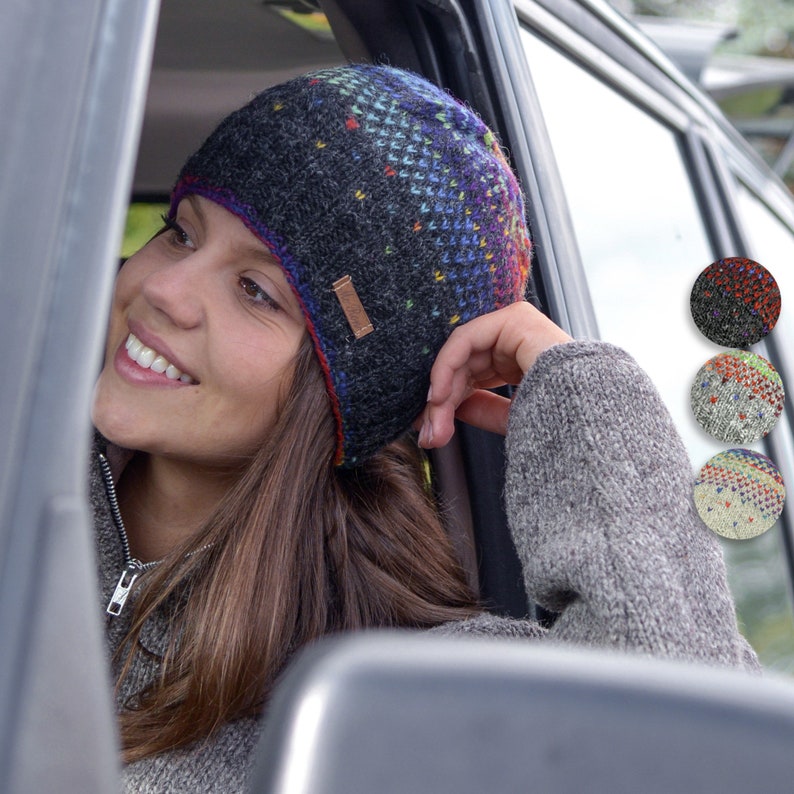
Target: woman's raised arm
(598, 489)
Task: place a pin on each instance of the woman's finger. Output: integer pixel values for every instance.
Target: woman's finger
(485, 410)
(491, 350)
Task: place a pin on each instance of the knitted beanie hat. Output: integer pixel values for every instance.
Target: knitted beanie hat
(735, 302)
(739, 494)
(737, 396)
(394, 215)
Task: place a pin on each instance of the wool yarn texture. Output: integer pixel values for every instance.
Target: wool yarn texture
(737, 397)
(394, 215)
(739, 494)
(735, 302)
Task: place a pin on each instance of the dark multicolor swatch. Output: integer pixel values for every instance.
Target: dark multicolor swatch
(735, 302)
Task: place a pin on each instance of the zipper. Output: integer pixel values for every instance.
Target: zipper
(133, 568)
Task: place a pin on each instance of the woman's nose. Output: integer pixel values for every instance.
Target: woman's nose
(175, 289)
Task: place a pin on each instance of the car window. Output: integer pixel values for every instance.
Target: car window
(636, 220)
(762, 110)
(643, 243)
(772, 244)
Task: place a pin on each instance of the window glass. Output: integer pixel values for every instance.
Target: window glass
(763, 113)
(772, 244)
(643, 243)
(637, 225)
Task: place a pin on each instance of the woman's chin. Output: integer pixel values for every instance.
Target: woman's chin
(114, 424)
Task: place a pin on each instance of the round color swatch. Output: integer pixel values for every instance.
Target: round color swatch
(735, 302)
(737, 396)
(739, 494)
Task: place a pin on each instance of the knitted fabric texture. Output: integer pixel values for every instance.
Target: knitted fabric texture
(737, 396)
(739, 494)
(735, 302)
(372, 173)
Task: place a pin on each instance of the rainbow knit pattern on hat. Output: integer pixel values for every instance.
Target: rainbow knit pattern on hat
(739, 493)
(375, 174)
(737, 396)
(735, 302)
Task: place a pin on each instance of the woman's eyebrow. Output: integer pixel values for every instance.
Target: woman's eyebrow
(264, 255)
(195, 205)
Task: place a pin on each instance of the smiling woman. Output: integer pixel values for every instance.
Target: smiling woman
(343, 258)
(207, 299)
(203, 335)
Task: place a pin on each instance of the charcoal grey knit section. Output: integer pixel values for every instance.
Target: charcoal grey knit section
(599, 498)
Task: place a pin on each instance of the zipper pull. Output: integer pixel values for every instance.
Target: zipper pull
(127, 579)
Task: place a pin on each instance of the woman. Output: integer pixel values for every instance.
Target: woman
(345, 241)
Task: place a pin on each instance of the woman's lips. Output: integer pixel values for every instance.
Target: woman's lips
(143, 365)
(158, 346)
(149, 358)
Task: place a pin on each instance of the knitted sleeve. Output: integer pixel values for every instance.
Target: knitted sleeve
(599, 499)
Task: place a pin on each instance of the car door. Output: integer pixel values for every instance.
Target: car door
(72, 83)
(657, 187)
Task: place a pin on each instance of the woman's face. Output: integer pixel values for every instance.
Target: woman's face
(203, 332)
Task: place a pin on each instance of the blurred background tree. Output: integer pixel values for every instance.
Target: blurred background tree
(764, 27)
(750, 66)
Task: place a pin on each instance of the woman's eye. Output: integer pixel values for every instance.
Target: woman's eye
(255, 294)
(176, 234)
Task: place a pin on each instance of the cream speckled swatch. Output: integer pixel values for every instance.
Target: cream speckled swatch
(739, 494)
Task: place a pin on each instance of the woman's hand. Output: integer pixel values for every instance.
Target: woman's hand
(492, 350)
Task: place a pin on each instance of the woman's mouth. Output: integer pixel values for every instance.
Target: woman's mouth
(147, 358)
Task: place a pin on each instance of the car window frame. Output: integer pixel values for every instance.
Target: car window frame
(711, 148)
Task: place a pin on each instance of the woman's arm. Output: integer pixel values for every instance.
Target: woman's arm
(598, 489)
(599, 498)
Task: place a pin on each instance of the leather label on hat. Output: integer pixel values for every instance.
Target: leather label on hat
(352, 307)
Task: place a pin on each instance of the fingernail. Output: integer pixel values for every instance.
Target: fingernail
(430, 393)
(426, 434)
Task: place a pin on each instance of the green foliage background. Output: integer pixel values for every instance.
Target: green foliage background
(143, 222)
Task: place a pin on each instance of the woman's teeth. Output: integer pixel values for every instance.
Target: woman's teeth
(150, 359)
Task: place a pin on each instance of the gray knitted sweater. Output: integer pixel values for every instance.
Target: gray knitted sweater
(599, 500)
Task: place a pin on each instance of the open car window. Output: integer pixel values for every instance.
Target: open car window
(643, 240)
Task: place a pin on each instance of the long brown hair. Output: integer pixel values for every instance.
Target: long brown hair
(299, 549)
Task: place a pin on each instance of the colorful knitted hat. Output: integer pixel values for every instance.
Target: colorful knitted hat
(735, 302)
(739, 494)
(737, 396)
(394, 215)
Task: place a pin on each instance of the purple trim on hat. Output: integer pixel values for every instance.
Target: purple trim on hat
(225, 198)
